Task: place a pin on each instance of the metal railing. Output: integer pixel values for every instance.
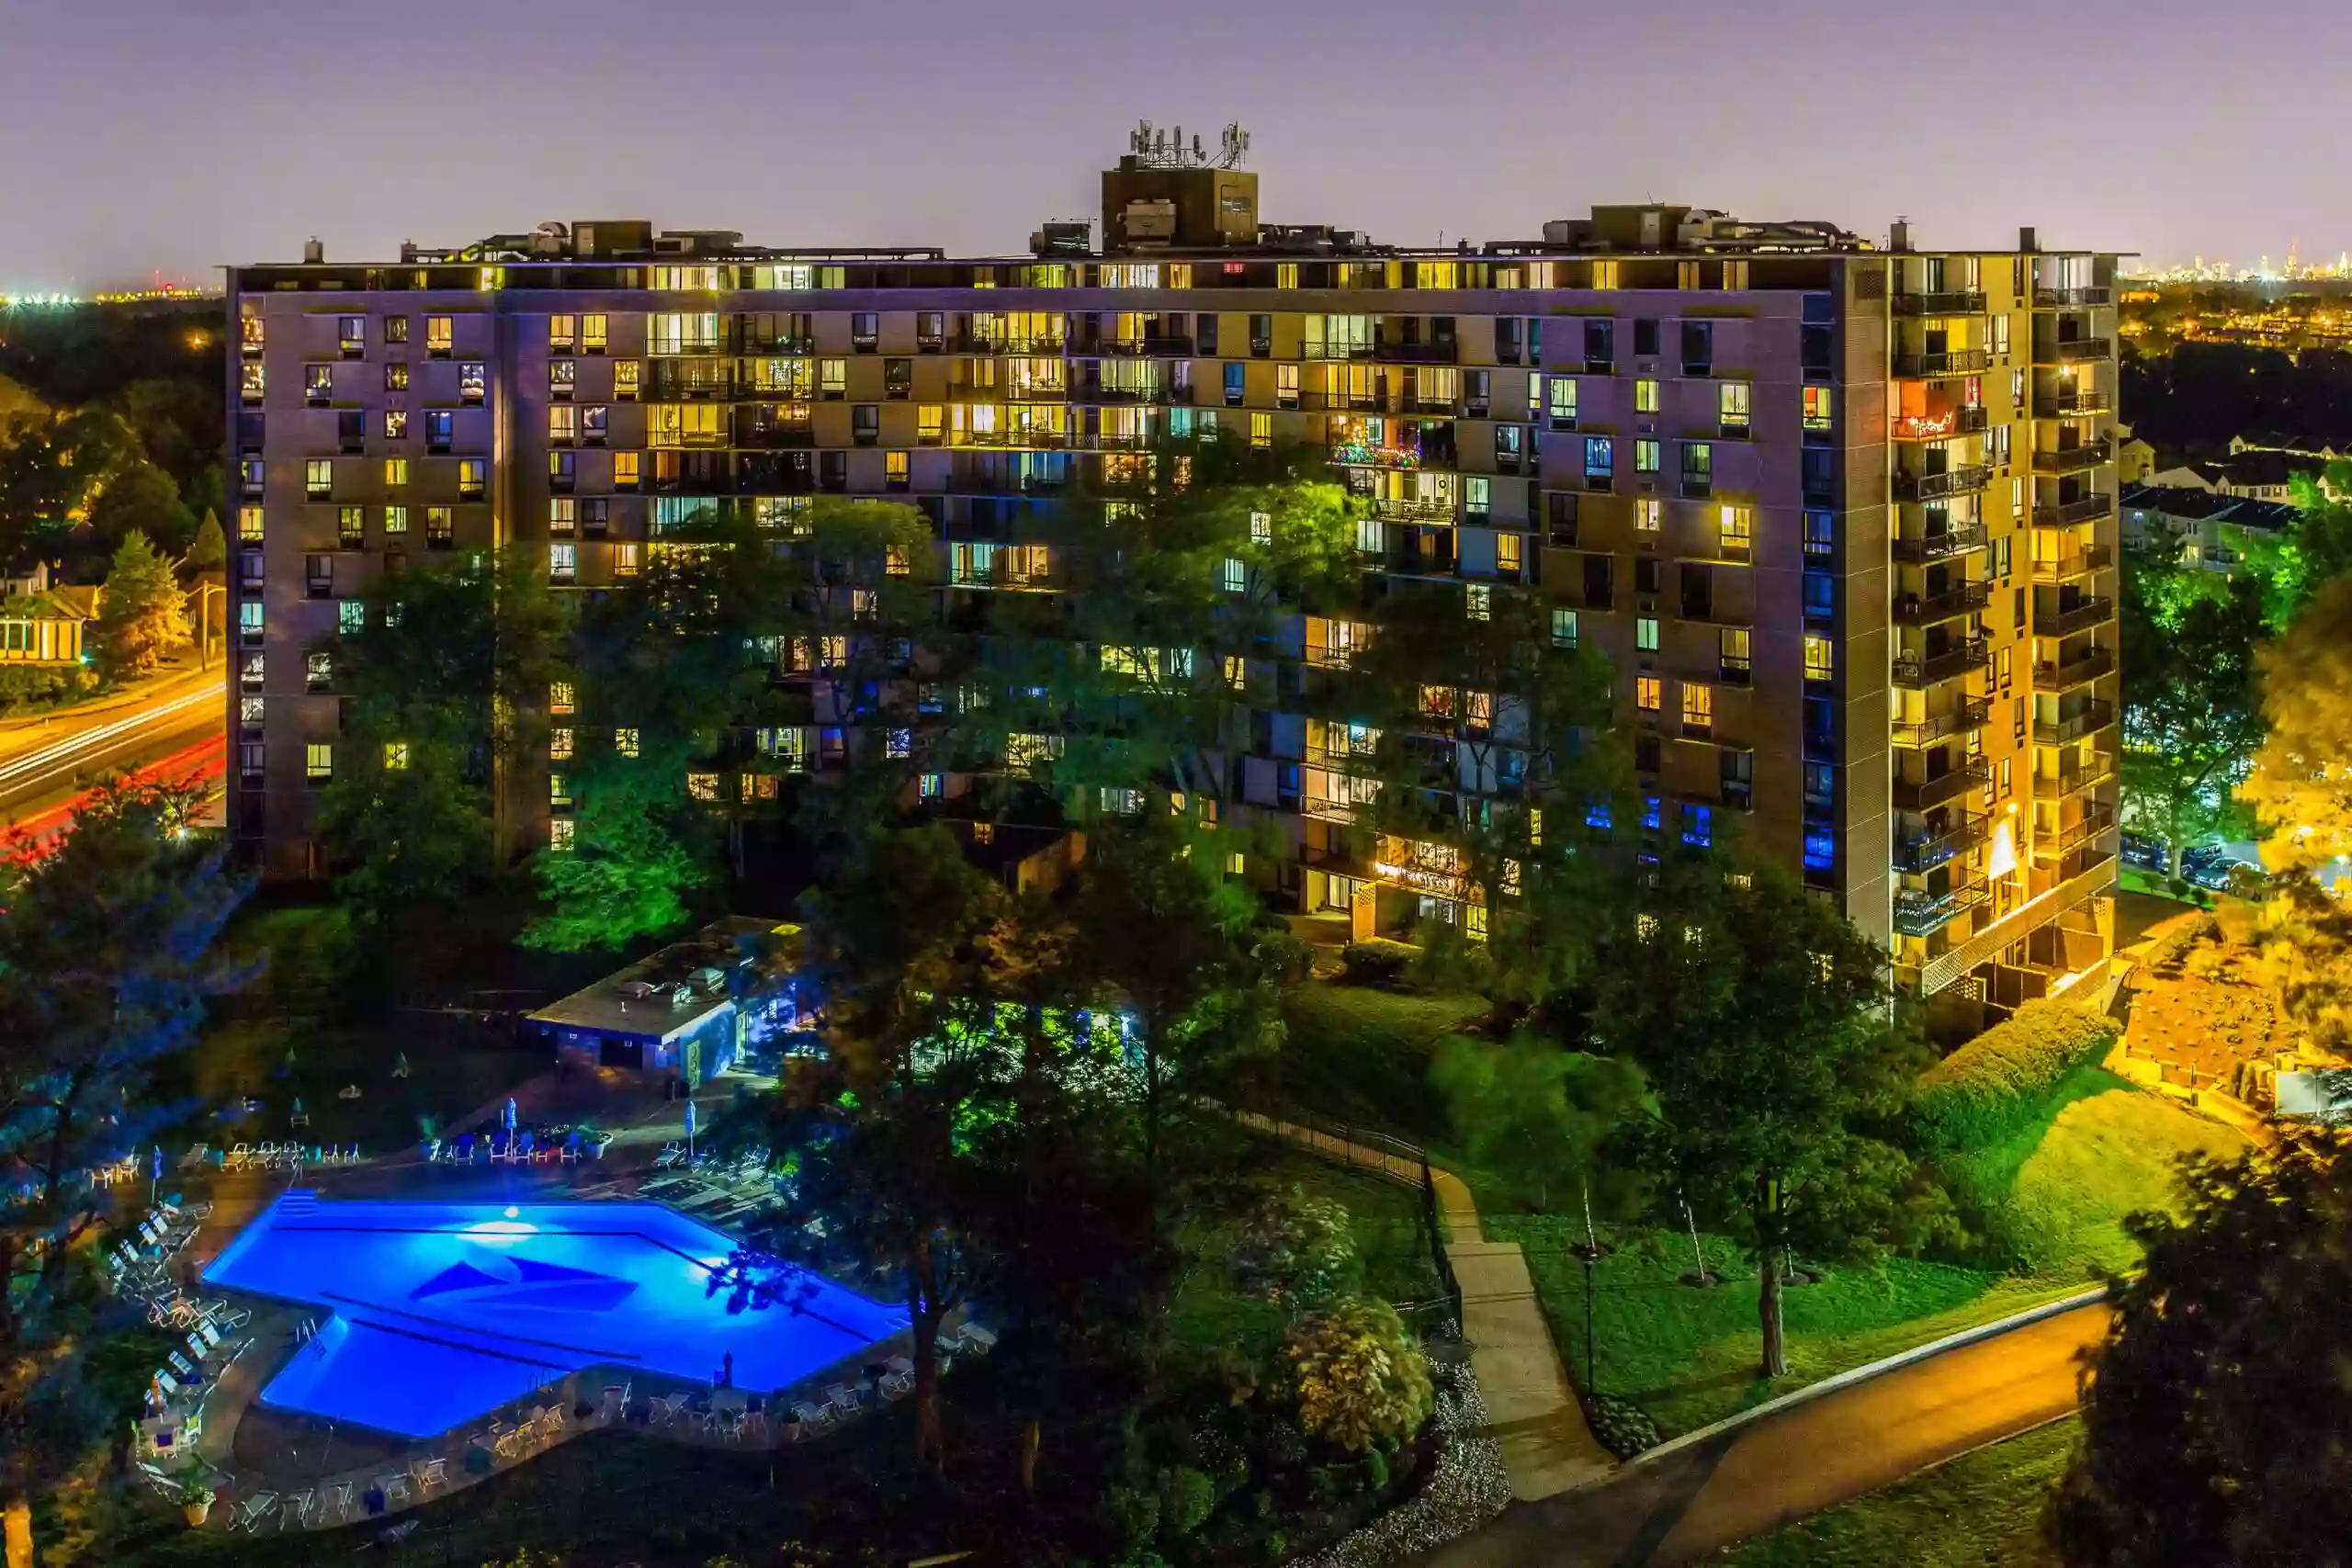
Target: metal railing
(2081, 563)
(2077, 617)
(1941, 302)
(2074, 459)
(1919, 794)
(1926, 609)
(1912, 734)
(2074, 672)
(1952, 481)
(2066, 513)
(1952, 361)
(1953, 541)
(2095, 717)
(1926, 670)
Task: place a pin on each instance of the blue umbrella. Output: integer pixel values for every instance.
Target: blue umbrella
(690, 1131)
(509, 1113)
(154, 1174)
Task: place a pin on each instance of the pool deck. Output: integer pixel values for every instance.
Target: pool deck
(239, 1197)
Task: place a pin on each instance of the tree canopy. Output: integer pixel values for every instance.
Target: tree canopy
(142, 616)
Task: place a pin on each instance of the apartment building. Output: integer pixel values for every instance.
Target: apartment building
(1842, 517)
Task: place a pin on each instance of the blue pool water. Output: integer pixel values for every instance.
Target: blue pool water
(444, 1311)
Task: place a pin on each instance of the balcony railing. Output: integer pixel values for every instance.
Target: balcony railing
(1930, 487)
(2095, 717)
(2053, 678)
(1939, 426)
(1952, 542)
(1942, 303)
(1413, 511)
(2072, 403)
(1974, 713)
(1920, 794)
(2074, 459)
(2072, 299)
(2072, 350)
(1925, 610)
(1417, 352)
(1924, 914)
(2066, 513)
(2081, 563)
(2088, 613)
(1917, 856)
(2098, 818)
(1952, 361)
(1917, 670)
(2074, 781)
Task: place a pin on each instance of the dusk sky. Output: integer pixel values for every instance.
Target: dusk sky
(144, 134)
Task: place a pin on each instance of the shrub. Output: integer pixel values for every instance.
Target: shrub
(1375, 1471)
(1294, 1250)
(2000, 1082)
(29, 688)
(1133, 1516)
(1359, 1376)
(1378, 962)
(1623, 1428)
(1187, 1498)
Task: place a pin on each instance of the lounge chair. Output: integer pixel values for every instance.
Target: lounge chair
(813, 1417)
(842, 1398)
(978, 1340)
(670, 1406)
(299, 1507)
(252, 1510)
(337, 1501)
(613, 1401)
(393, 1485)
(236, 1158)
(429, 1473)
(551, 1424)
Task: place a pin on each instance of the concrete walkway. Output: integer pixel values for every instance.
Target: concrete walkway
(1532, 1413)
(1760, 1475)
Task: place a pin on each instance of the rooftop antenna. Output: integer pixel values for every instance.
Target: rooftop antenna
(1165, 148)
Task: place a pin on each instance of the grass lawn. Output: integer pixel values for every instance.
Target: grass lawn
(1362, 1055)
(1982, 1510)
(2134, 880)
(1386, 1218)
(1686, 1354)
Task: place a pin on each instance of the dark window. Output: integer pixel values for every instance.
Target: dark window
(1262, 336)
(1560, 511)
(897, 379)
(1598, 589)
(1647, 576)
(1645, 340)
(1475, 391)
(1646, 753)
(1820, 533)
(1507, 340)
(832, 470)
(1820, 310)
(931, 332)
(1820, 727)
(865, 331)
(1698, 349)
(1815, 351)
(1737, 774)
(1599, 347)
(865, 424)
(1698, 591)
(1820, 468)
(1204, 335)
(1820, 786)
(1236, 379)
(1534, 340)
(1820, 596)
(1507, 446)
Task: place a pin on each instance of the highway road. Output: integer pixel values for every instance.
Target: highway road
(55, 763)
(1780, 1468)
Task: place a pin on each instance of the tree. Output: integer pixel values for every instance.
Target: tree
(404, 816)
(105, 957)
(2215, 1427)
(1360, 1378)
(141, 497)
(210, 552)
(1294, 1250)
(1762, 1020)
(2191, 720)
(1538, 1118)
(2314, 553)
(142, 616)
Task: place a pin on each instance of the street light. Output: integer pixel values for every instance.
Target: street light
(205, 589)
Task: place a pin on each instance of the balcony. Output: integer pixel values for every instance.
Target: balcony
(1414, 511)
(2080, 616)
(2067, 782)
(1952, 361)
(2095, 717)
(1932, 487)
(1942, 303)
(1166, 345)
(1917, 856)
(1922, 795)
(1926, 610)
(1917, 671)
(2081, 563)
(1957, 421)
(1952, 542)
(2073, 402)
(2073, 350)
(2075, 459)
(2097, 819)
(2068, 514)
(2072, 299)
(1974, 713)
(1924, 914)
(2051, 679)
(1417, 352)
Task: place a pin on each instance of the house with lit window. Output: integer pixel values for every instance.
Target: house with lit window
(729, 992)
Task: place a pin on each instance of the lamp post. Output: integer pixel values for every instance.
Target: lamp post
(205, 590)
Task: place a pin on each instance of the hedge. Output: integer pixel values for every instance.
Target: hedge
(1378, 962)
(2000, 1082)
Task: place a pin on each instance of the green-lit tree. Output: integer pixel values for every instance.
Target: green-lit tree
(140, 498)
(2215, 1427)
(2191, 720)
(106, 958)
(1763, 1022)
(142, 616)
(209, 550)
(1539, 1119)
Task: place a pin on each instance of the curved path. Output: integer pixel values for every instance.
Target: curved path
(1759, 1475)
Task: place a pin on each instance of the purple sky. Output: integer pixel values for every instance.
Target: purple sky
(182, 134)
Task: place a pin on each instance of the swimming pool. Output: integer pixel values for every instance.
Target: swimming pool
(444, 1311)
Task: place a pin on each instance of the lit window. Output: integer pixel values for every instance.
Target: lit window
(1738, 525)
(1698, 705)
(563, 561)
(931, 424)
(559, 745)
(625, 559)
(472, 382)
(559, 790)
(1236, 576)
(1818, 408)
(1119, 802)
(439, 526)
(1236, 671)
(563, 332)
(1820, 657)
(249, 621)
(1262, 527)
(1262, 430)
(438, 335)
(1564, 628)
(395, 472)
(563, 424)
(318, 479)
(624, 742)
(898, 743)
(1645, 396)
(1645, 633)
(318, 761)
(1478, 601)
(1734, 396)
(624, 379)
(1734, 654)
(396, 376)
(933, 786)
(559, 697)
(894, 469)
(1506, 556)
(351, 617)
(249, 523)
(560, 835)
(473, 475)
(592, 334)
(1648, 694)
(626, 467)
(1646, 456)
(832, 378)
(321, 383)
(563, 516)
(395, 756)
(1474, 921)
(1649, 514)
(1563, 392)
(395, 424)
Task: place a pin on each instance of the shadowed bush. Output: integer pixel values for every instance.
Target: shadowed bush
(2000, 1081)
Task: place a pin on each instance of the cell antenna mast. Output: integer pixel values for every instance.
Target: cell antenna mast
(1156, 148)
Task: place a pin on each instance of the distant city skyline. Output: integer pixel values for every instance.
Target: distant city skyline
(146, 136)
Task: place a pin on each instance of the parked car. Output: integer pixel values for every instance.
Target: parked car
(2148, 854)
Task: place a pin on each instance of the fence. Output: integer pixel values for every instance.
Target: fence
(1393, 1158)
